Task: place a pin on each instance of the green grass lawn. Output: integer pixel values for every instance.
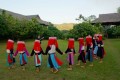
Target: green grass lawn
(108, 70)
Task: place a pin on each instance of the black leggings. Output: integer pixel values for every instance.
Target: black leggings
(82, 57)
(70, 63)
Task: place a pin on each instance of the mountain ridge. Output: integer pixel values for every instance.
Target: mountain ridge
(64, 26)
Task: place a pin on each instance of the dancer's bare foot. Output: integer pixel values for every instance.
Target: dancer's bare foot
(78, 64)
(9, 68)
(101, 62)
(69, 69)
(37, 70)
(82, 66)
(55, 71)
(51, 70)
(91, 65)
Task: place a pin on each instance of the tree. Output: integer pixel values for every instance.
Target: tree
(19, 29)
(118, 9)
(65, 34)
(91, 18)
(52, 31)
(86, 19)
(35, 28)
(3, 27)
(82, 30)
(81, 18)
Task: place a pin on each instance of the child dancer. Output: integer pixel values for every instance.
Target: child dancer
(53, 62)
(21, 49)
(37, 51)
(81, 51)
(70, 51)
(9, 50)
(100, 52)
(89, 53)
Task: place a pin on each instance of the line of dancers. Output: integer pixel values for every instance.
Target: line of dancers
(91, 48)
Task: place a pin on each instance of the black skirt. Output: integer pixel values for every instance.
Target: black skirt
(82, 57)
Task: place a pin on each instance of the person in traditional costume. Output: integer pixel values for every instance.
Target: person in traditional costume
(81, 51)
(100, 51)
(53, 62)
(9, 50)
(70, 52)
(89, 50)
(95, 46)
(21, 49)
(37, 51)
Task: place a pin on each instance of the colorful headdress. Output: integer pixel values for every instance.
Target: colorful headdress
(88, 39)
(20, 45)
(81, 41)
(52, 41)
(10, 44)
(37, 46)
(71, 43)
(95, 35)
(100, 37)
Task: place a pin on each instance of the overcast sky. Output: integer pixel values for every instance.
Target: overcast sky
(61, 11)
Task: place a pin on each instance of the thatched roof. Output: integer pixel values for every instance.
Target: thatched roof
(21, 17)
(108, 19)
(38, 18)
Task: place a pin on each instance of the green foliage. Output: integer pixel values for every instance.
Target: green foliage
(65, 34)
(86, 19)
(82, 30)
(24, 29)
(3, 27)
(19, 29)
(52, 31)
(118, 9)
(113, 32)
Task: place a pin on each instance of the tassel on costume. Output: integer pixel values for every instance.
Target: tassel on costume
(58, 61)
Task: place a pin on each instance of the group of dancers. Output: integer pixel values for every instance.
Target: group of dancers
(92, 47)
